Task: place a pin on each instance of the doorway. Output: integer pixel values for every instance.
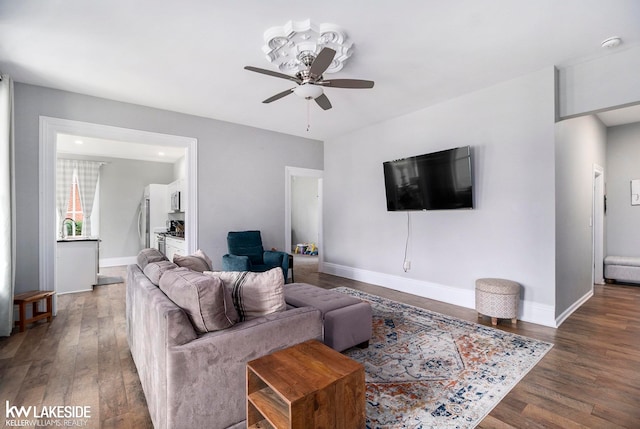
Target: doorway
(598, 224)
(303, 211)
(50, 128)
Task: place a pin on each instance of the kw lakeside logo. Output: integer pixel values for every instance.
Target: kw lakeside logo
(47, 416)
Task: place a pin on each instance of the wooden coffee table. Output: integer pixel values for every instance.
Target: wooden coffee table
(305, 386)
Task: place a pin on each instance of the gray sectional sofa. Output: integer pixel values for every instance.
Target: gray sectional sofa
(197, 380)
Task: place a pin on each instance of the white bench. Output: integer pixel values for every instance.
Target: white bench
(622, 268)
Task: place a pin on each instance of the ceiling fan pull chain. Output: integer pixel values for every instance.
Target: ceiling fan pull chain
(308, 115)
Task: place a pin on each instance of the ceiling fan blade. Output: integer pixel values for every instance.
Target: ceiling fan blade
(273, 73)
(347, 83)
(322, 62)
(323, 102)
(278, 96)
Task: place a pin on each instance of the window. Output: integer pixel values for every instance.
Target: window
(77, 197)
(74, 209)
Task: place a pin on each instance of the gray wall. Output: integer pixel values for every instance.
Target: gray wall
(122, 182)
(580, 143)
(510, 234)
(240, 169)
(623, 165)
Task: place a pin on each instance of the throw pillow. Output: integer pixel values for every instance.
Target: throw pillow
(155, 270)
(205, 299)
(149, 255)
(254, 294)
(199, 261)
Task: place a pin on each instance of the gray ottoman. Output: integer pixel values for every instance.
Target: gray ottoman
(347, 320)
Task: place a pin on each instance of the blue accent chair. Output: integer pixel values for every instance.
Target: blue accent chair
(247, 254)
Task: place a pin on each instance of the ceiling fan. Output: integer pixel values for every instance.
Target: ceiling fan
(310, 81)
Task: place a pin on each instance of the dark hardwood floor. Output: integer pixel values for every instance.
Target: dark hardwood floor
(590, 379)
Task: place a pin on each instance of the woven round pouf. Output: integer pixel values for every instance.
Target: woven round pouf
(498, 299)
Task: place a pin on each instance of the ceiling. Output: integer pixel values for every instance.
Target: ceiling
(188, 56)
(88, 146)
(621, 116)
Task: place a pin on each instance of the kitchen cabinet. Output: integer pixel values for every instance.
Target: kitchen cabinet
(174, 245)
(172, 188)
(183, 195)
(76, 265)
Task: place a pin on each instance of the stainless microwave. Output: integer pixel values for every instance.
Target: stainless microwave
(175, 201)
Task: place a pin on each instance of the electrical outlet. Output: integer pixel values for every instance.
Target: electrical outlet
(407, 265)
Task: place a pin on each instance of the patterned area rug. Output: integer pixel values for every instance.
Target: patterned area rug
(428, 370)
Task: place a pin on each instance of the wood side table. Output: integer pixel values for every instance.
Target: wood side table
(305, 386)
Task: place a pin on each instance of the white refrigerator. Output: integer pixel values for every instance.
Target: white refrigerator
(152, 214)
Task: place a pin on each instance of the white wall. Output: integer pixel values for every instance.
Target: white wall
(304, 210)
(240, 169)
(623, 165)
(180, 169)
(510, 234)
(580, 143)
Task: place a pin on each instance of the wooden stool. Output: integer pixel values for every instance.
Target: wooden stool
(22, 299)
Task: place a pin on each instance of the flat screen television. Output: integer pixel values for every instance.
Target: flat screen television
(434, 181)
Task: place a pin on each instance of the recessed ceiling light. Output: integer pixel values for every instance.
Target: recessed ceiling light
(79, 142)
(161, 153)
(612, 42)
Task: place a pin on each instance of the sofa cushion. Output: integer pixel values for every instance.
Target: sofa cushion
(155, 270)
(629, 261)
(198, 261)
(306, 295)
(254, 294)
(204, 298)
(147, 256)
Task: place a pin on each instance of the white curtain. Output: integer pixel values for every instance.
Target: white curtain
(88, 173)
(7, 207)
(64, 180)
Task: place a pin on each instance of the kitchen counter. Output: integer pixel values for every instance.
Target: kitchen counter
(167, 235)
(72, 239)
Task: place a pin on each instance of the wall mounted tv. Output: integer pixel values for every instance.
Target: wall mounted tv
(434, 181)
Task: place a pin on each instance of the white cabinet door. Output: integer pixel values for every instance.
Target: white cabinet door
(77, 266)
(174, 245)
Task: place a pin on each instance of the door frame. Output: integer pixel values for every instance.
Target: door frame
(49, 129)
(290, 173)
(598, 213)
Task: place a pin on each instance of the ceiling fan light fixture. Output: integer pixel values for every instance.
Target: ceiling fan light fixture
(612, 42)
(308, 91)
(307, 53)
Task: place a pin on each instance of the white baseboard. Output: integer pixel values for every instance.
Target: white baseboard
(569, 311)
(530, 311)
(117, 262)
(75, 291)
